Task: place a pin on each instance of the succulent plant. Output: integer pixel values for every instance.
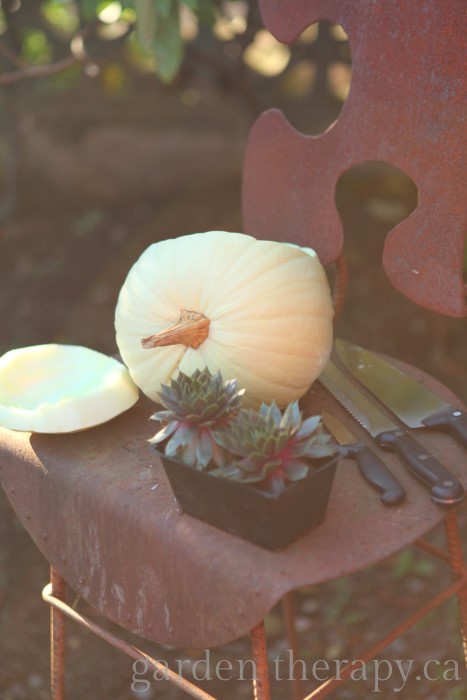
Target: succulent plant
(196, 406)
(271, 447)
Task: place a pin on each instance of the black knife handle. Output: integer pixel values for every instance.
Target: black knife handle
(374, 470)
(445, 488)
(452, 420)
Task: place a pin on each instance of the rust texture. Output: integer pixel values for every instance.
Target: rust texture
(373, 651)
(341, 281)
(258, 641)
(288, 612)
(406, 107)
(99, 506)
(261, 688)
(59, 606)
(460, 570)
(57, 639)
(428, 547)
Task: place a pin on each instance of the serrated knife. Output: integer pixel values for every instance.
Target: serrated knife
(445, 489)
(409, 400)
(371, 467)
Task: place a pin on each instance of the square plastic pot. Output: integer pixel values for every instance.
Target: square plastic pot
(269, 521)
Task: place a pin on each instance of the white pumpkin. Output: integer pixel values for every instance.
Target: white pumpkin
(57, 388)
(259, 311)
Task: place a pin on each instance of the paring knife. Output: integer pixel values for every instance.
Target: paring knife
(445, 489)
(372, 468)
(410, 401)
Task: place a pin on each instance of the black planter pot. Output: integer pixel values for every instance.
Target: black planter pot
(266, 520)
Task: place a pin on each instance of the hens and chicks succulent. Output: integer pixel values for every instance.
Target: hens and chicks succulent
(206, 427)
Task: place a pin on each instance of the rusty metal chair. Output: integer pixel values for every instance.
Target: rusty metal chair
(89, 500)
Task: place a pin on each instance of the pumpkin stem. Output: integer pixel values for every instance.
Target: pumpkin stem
(191, 330)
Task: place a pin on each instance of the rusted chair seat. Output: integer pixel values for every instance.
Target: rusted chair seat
(99, 507)
(98, 504)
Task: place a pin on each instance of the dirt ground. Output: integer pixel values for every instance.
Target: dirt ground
(89, 180)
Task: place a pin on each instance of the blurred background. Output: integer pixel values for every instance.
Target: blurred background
(123, 123)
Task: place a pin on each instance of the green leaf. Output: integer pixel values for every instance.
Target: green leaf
(291, 416)
(296, 470)
(183, 436)
(162, 415)
(187, 455)
(206, 13)
(164, 433)
(36, 47)
(251, 478)
(220, 456)
(145, 22)
(89, 8)
(424, 567)
(228, 472)
(204, 449)
(62, 15)
(276, 485)
(272, 466)
(270, 445)
(192, 4)
(163, 7)
(208, 411)
(318, 451)
(222, 438)
(309, 426)
(403, 564)
(271, 412)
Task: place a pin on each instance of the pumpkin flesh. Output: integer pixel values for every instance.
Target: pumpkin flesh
(57, 388)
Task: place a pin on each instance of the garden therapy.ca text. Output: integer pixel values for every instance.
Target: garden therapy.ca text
(394, 673)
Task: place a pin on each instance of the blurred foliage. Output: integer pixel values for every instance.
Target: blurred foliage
(408, 563)
(159, 29)
(153, 37)
(160, 25)
(36, 49)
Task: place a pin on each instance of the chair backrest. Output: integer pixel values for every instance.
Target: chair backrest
(405, 107)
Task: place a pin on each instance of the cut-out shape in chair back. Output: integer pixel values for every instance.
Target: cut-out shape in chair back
(404, 107)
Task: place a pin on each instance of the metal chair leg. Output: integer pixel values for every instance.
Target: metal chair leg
(288, 610)
(458, 567)
(259, 652)
(57, 639)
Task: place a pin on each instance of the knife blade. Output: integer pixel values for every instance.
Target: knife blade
(445, 489)
(413, 403)
(371, 467)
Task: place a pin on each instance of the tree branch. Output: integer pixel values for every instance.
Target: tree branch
(38, 71)
(10, 55)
